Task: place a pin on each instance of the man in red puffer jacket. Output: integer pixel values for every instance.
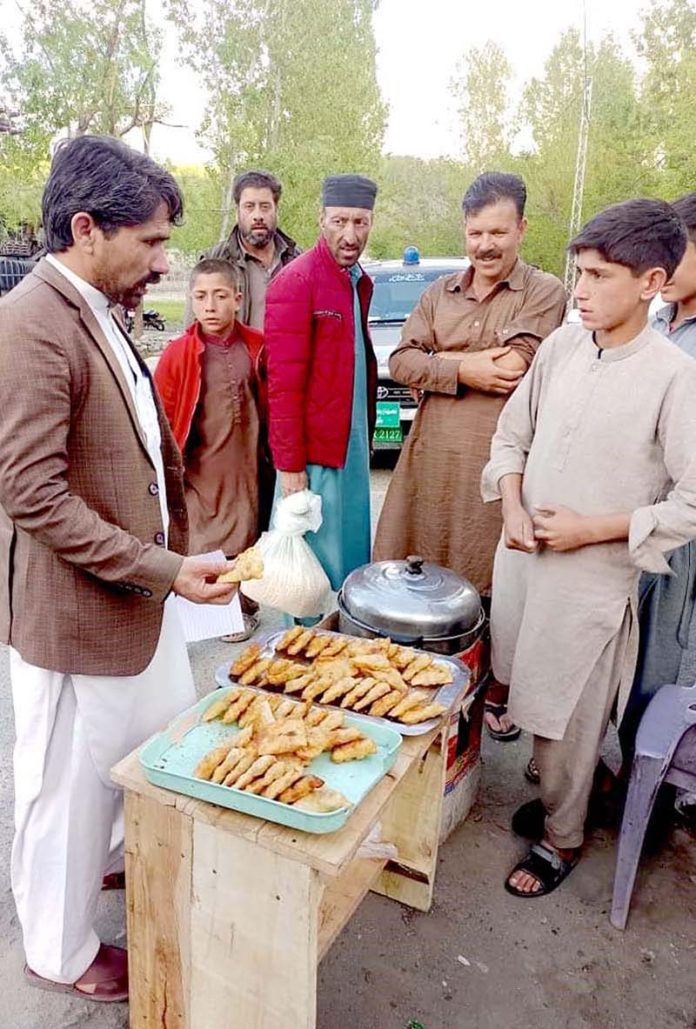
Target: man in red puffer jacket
(322, 375)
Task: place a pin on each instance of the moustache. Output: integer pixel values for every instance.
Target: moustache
(486, 254)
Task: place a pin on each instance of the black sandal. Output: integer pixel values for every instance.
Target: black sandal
(546, 866)
(498, 710)
(531, 772)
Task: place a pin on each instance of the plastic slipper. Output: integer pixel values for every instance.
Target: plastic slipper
(546, 866)
(528, 821)
(498, 710)
(106, 979)
(531, 772)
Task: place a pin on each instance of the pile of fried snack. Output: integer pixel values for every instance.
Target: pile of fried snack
(375, 677)
(279, 737)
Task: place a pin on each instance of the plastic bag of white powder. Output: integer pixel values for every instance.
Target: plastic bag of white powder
(293, 579)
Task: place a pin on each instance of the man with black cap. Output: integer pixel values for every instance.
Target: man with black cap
(322, 375)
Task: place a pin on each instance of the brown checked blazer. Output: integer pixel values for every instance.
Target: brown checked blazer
(83, 567)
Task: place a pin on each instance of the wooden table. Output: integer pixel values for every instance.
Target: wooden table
(229, 916)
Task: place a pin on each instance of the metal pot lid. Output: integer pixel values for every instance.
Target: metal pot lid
(411, 597)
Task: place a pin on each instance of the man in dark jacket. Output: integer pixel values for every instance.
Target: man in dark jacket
(256, 245)
(322, 376)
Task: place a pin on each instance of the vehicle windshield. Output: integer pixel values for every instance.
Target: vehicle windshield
(397, 293)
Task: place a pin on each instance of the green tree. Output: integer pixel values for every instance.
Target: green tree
(83, 69)
(291, 85)
(481, 89)
(667, 44)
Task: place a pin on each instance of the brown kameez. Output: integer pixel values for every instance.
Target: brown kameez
(433, 506)
(222, 456)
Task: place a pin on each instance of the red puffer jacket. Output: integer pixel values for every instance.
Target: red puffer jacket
(178, 376)
(309, 334)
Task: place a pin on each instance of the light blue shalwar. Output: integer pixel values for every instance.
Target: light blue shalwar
(343, 541)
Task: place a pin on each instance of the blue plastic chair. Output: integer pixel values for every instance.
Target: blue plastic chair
(665, 752)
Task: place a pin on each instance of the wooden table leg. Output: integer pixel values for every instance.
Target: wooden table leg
(411, 821)
(158, 882)
(254, 924)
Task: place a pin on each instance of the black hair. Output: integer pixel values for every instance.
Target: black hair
(638, 234)
(686, 209)
(491, 188)
(217, 266)
(256, 180)
(113, 183)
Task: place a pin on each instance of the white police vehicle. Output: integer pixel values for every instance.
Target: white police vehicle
(398, 286)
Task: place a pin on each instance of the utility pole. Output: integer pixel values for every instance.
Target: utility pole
(580, 165)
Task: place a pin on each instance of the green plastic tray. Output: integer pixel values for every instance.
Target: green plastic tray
(169, 759)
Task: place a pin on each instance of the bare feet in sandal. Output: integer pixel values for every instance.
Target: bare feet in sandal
(498, 722)
(544, 868)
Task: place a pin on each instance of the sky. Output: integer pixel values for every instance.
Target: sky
(419, 45)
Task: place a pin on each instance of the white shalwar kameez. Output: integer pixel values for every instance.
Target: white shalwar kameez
(70, 731)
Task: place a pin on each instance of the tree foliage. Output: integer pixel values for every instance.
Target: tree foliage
(291, 85)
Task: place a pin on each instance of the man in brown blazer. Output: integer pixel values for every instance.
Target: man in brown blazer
(92, 533)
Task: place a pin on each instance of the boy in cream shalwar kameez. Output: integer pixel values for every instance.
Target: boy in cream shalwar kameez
(595, 460)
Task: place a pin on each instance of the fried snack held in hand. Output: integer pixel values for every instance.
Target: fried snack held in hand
(248, 657)
(354, 751)
(249, 565)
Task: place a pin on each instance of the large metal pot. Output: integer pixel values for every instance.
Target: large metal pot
(413, 602)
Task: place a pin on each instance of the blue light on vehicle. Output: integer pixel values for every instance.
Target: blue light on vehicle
(411, 255)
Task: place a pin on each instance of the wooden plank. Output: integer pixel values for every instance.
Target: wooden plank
(342, 896)
(253, 935)
(158, 890)
(411, 821)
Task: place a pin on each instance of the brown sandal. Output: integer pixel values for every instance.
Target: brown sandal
(106, 979)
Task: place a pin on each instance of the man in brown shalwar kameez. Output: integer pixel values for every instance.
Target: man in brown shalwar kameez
(212, 385)
(466, 346)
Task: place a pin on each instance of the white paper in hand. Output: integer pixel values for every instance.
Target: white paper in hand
(207, 621)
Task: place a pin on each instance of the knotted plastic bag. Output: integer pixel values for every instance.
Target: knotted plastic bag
(293, 579)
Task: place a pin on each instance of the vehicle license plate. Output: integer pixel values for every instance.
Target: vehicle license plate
(388, 436)
(388, 429)
(388, 414)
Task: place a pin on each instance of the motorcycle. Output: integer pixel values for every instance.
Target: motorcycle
(151, 320)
